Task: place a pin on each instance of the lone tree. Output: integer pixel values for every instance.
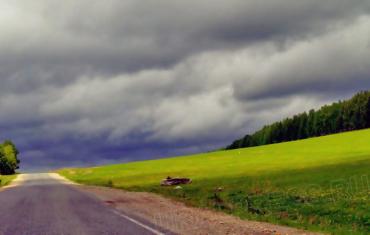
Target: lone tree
(8, 158)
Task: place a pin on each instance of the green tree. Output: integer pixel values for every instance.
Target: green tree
(9, 161)
(341, 116)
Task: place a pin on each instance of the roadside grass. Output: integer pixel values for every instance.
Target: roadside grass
(6, 179)
(319, 184)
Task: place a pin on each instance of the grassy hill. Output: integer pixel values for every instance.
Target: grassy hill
(318, 184)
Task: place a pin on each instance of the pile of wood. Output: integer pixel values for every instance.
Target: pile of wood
(175, 181)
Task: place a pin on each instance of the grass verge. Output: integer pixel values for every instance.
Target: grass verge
(6, 179)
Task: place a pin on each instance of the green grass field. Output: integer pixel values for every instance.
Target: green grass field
(319, 184)
(6, 179)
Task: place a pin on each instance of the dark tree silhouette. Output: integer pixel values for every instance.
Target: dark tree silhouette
(353, 114)
(9, 161)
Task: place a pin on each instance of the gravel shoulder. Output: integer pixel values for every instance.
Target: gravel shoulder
(179, 218)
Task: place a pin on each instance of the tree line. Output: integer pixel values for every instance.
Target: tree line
(9, 161)
(352, 114)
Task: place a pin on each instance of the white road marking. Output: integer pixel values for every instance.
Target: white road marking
(61, 179)
(138, 223)
(67, 181)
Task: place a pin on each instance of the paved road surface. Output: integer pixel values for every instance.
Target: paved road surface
(42, 204)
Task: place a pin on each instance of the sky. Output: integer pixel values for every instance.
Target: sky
(88, 82)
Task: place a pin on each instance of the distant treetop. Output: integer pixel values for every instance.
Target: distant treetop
(353, 114)
(9, 161)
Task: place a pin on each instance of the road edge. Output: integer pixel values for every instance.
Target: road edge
(14, 183)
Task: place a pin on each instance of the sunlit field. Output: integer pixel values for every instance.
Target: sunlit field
(319, 184)
(6, 179)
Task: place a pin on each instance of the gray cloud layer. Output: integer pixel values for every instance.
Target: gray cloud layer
(87, 82)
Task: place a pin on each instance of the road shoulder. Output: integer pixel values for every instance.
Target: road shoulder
(179, 218)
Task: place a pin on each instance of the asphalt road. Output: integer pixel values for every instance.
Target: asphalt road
(42, 204)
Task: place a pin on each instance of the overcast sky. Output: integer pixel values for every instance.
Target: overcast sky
(85, 82)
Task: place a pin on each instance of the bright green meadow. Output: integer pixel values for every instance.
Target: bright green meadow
(6, 179)
(319, 184)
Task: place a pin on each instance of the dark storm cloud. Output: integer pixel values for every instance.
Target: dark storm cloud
(116, 36)
(337, 62)
(88, 82)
